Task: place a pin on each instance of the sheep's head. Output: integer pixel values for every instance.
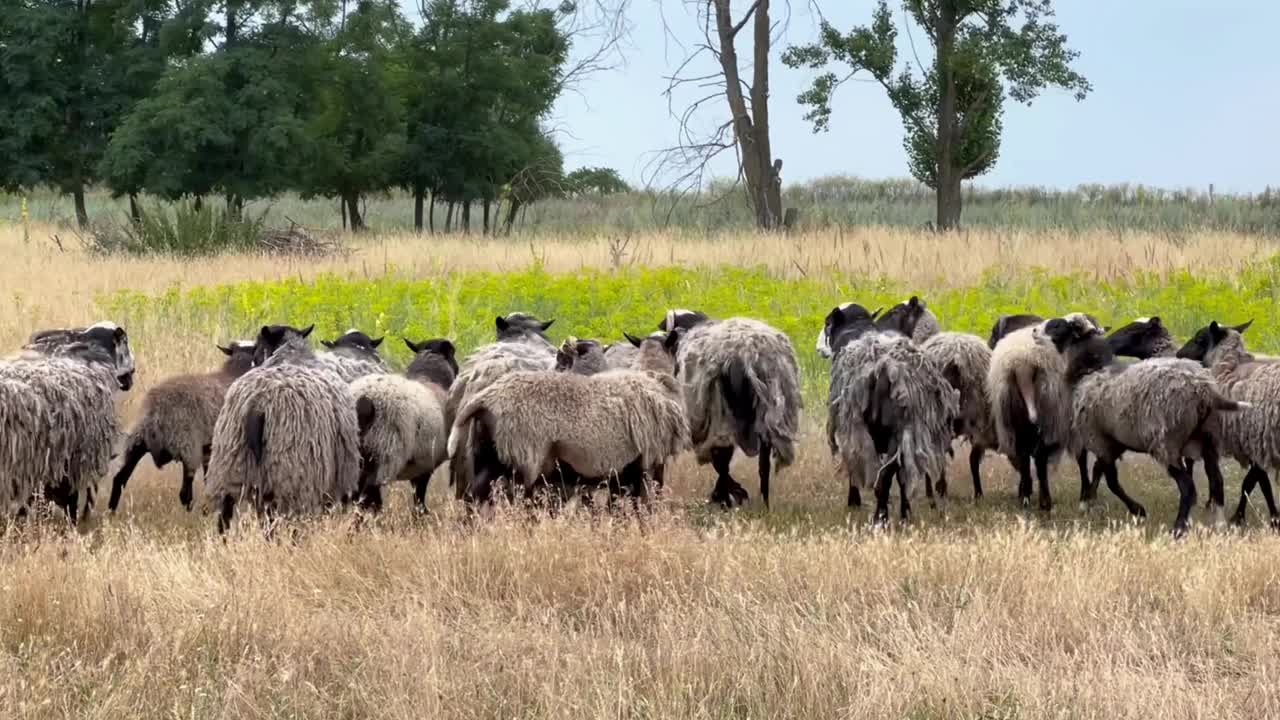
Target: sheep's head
(518, 325)
(657, 352)
(101, 340)
(273, 337)
(1143, 338)
(903, 317)
(682, 319)
(1206, 339)
(239, 357)
(1011, 323)
(1078, 338)
(843, 325)
(353, 342)
(434, 361)
(585, 357)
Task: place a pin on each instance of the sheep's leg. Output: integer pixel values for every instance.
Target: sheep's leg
(884, 482)
(855, 497)
(371, 498)
(1246, 489)
(1042, 474)
(941, 485)
(1099, 470)
(227, 512)
(186, 493)
(727, 490)
(928, 490)
(420, 491)
(633, 478)
(904, 509)
(131, 457)
(975, 469)
(1113, 484)
(660, 477)
(1086, 487)
(1186, 497)
(1023, 463)
(765, 469)
(1214, 473)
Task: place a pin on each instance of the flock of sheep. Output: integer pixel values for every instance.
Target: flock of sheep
(296, 431)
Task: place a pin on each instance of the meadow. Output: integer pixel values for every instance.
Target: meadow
(973, 610)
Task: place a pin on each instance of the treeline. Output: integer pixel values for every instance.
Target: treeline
(236, 100)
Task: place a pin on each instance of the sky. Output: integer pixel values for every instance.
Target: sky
(1185, 93)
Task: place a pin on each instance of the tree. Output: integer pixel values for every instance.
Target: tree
(596, 181)
(747, 130)
(951, 111)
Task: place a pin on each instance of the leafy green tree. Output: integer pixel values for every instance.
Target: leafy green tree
(951, 111)
(596, 181)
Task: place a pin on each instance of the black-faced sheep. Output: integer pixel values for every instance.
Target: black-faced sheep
(57, 405)
(521, 345)
(584, 357)
(403, 435)
(353, 355)
(177, 422)
(741, 388)
(620, 423)
(891, 411)
(1251, 436)
(286, 438)
(1163, 407)
(911, 318)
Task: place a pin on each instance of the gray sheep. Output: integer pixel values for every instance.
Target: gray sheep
(1165, 408)
(521, 346)
(741, 388)
(177, 422)
(528, 425)
(1252, 436)
(286, 438)
(965, 361)
(403, 435)
(584, 357)
(890, 409)
(57, 405)
(353, 355)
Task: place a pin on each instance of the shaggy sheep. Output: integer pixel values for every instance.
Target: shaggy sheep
(616, 423)
(891, 410)
(177, 422)
(287, 438)
(401, 421)
(1163, 407)
(57, 405)
(964, 361)
(521, 346)
(1251, 437)
(353, 355)
(741, 388)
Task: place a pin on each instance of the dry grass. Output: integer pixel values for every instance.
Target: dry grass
(799, 612)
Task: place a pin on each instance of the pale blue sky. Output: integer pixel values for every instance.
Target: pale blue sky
(1186, 92)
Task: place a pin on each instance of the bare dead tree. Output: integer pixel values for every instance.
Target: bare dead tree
(683, 167)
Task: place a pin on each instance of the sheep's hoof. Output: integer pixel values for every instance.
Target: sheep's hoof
(1139, 513)
(1179, 532)
(1219, 517)
(1275, 522)
(1026, 503)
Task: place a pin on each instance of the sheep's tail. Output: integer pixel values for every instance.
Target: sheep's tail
(462, 424)
(1226, 404)
(1025, 379)
(366, 412)
(255, 434)
(739, 394)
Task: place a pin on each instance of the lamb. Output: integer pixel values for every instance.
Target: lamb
(1250, 437)
(965, 361)
(521, 345)
(286, 438)
(741, 388)
(353, 355)
(1163, 407)
(619, 422)
(177, 422)
(57, 405)
(1031, 407)
(401, 419)
(888, 400)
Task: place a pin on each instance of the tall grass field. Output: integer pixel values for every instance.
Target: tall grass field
(970, 610)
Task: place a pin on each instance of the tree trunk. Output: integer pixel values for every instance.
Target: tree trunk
(947, 175)
(512, 207)
(342, 205)
(448, 218)
(135, 212)
(235, 207)
(431, 215)
(950, 200)
(751, 127)
(466, 217)
(486, 216)
(82, 214)
(419, 198)
(197, 203)
(353, 211)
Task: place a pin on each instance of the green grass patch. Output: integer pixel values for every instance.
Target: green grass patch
(602, 304)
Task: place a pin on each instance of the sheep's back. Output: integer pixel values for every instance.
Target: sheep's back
(1251, 435)
(178, 415)
(408, 435)
(1019, 349)
(620, 355)
(971, 358)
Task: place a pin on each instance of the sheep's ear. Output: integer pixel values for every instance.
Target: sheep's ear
(670, 341)
(877, 312)
(1215, 329)
(120, 334)
(225, 350)
(547, 325)
(411, 346)
(1155, 321)
(632, 339)
(308, 330)
(327, 343)
(446, 348)
(501, 323)
(662, 324)
(1241, 328)
(377, 342)
(914, 302)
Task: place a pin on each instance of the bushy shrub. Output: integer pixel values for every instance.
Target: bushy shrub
(181, 229)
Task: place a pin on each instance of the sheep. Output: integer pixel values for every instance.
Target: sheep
(965, 361)
(353, 355)
(1031, 407)
(741, 388)
(521, 344)
(1164, 407)
(401, 422)
(57, 405)
(888, 399)
(177, 422)
(619, 422)
(911, 318)
(1249, 437)
(286, 438)
(1007, 324)
(584, 357)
